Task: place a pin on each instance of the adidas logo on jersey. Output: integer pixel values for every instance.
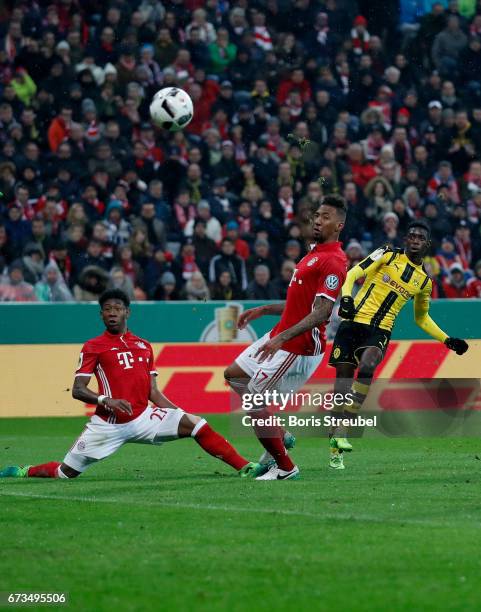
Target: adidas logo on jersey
(312, 261)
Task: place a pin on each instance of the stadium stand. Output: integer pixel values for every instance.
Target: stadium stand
(379, 102)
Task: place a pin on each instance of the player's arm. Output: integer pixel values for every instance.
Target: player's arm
(80, 391)
(366, 267)
(157, 397)
(426, 323)
(260, 311)
(319, 315)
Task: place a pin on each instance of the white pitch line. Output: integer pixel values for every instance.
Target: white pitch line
(190, 506)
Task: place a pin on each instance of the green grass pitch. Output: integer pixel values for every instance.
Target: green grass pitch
(173, 529)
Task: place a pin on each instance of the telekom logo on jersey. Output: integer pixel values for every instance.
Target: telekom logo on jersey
(126, 359)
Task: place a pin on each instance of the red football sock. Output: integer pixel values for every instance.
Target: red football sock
(217, 446)
(272, 439)
(45, 470)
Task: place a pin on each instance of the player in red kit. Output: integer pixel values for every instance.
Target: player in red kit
(286, 357)
(123, 365)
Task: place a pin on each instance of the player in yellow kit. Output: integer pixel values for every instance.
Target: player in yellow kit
(392, 278)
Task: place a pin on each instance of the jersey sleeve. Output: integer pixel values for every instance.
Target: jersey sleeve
(421, 314)
(331, 278)
(375, 259)
(87, 360)
(367, 267)
(152, 369)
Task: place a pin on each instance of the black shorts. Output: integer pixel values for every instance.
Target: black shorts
(351, 340)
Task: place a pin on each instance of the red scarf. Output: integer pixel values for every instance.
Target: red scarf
(188, 266)
(183, 215)
(360, 45)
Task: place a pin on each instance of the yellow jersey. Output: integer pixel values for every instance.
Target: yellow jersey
(391, 280)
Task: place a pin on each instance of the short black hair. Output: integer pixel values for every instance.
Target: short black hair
(336, 201)
(114, 294)
(421, 224)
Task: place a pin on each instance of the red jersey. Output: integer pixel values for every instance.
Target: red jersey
(474, 287)
(450, 291)
(122, 365)
(321, 272)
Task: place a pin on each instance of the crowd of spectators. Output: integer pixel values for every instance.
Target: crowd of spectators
(292, 99)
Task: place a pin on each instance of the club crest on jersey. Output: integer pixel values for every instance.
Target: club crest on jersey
(332, 282)
(141, 345)
(416, 282)
(312, 261)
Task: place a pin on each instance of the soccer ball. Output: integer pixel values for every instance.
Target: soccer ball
(171, 109)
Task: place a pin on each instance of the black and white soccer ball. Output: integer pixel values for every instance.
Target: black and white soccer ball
(171, 109)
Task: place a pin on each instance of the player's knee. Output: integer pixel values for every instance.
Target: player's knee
(187, 424)
(370, 359)
(228, 374)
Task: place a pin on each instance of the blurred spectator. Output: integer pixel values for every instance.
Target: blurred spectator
(388, 234)
(212, 225)
(32, 263)
(474, 283)
(196, 288)
(52, 287)
(120, 280)
(165, 290)
(281, 284)
(147, 220)
(202, 25)
(228, 260)
(455, 283)
(222, 52)
(448, 45)
(118, 230)
(225, 289)
(13, 287)
(261, 256)
(261, 287)
(447, 256)
(293, 250)
(241, 246)
(379, 194)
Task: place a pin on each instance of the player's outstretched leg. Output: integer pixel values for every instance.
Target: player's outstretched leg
(289, 439)
(53, 469)
(214, 444)
(272, 439)
(238, 381)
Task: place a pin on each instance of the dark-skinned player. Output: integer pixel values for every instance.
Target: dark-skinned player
(391, 279)
(123, 365)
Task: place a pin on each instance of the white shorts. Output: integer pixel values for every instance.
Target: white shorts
(284, 372)
(100, 439)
